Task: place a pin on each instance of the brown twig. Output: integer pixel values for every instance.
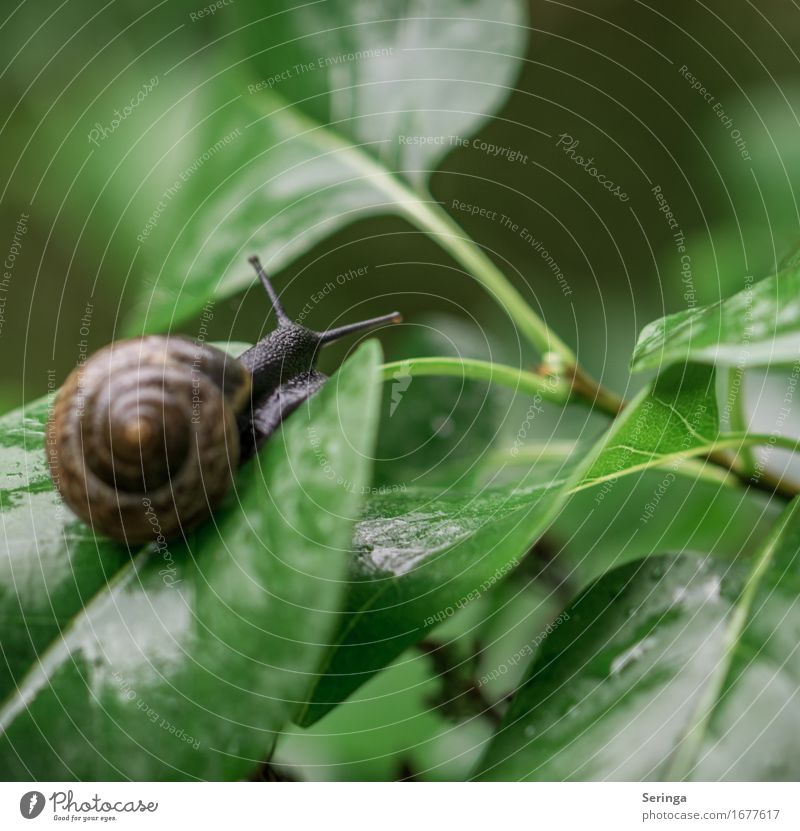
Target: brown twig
(584, 387)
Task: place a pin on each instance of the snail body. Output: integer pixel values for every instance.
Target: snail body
(146, 436)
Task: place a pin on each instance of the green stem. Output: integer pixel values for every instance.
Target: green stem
(591, 392)
(429, 217)
(422, 210)
(552, 388)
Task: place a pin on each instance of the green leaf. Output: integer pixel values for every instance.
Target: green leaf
(680, 666)
(279, 157)
(668, 509)
(759, 326)
(673, 420)
(391, 722)
(674, 417)
(380, 71)
(421, 554)
(182, 662)
(668, 424)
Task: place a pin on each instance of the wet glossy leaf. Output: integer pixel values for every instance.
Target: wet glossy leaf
(420, 557)
(674, 417)
(759, 326)
(181, 661)
(679, 666)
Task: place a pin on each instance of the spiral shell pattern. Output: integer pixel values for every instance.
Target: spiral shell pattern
(142, 437)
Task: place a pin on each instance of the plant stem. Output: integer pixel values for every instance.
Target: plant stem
(423, 211)
(592, 392)
(429, 217)
(553, 388)
(762, 479)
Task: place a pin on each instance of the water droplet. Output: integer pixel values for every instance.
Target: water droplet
(631, 655)
(711, 588)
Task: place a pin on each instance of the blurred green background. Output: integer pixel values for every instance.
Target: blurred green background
(609, 74)
(606, 73)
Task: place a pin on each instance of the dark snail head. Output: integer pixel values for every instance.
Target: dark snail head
(143, 438)
(283, 368)
(292, 349)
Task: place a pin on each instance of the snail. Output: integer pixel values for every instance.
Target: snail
(145, 437)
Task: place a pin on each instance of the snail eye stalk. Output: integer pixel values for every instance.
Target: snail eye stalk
(334, 334)
(283, 318)
(322, 337)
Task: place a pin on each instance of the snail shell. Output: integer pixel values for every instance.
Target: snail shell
(143, 439)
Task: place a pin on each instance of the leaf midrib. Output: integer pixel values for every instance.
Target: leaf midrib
(726, 441)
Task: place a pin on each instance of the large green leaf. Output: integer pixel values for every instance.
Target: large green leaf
(386, 71)
(680, 666)
(758, 326)
(674, 419)
(183, 662)
(288, 155)
(422, 554)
